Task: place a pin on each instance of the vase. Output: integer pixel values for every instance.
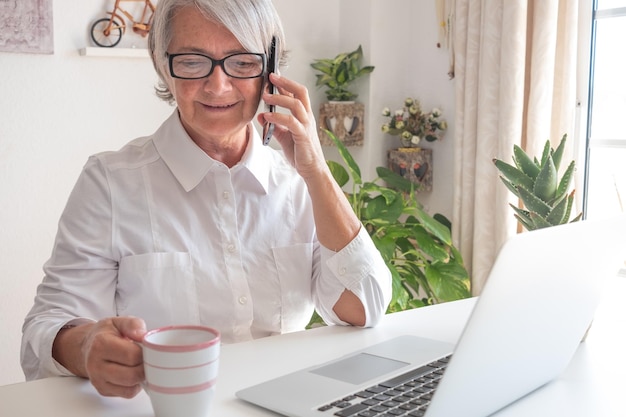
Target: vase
(414, 164)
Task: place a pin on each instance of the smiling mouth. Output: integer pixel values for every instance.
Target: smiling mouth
(219, 106)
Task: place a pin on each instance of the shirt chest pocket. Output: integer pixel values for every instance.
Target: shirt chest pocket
(159, 288)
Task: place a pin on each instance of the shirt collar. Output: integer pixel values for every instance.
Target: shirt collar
(190, 164)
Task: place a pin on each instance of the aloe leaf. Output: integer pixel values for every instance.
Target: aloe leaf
(533, 203)
(570, 204)
(525, 214)
(524, 162)
(527, 223)
(347, 157)
(546, 182)
(557, 155)
(566, 179)
(513, 174)
(512, 188)
(539, 221)
(557, 215)
(577, 218)
(546, 152)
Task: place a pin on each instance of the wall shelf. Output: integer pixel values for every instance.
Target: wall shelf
(114, 52)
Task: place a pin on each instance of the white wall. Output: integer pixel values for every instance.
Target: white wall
(56, 110)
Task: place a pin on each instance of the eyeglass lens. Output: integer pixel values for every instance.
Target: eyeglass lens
(193, 66)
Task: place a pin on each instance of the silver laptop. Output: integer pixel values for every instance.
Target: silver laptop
(533, 312)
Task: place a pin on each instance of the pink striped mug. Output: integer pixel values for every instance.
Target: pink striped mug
(181, 365)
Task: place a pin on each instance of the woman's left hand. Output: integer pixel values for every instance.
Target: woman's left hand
(296, 131)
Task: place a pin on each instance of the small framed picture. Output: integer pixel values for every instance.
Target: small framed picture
(26, 26)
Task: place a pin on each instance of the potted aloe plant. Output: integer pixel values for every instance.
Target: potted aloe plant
(341, 114)
(546, 199)
(426, 267)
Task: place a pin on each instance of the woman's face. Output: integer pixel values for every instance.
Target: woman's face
(219, 107)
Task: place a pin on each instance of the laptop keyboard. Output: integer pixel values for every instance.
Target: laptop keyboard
(408, 394)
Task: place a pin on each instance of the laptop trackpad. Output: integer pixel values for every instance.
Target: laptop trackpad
(359, 368)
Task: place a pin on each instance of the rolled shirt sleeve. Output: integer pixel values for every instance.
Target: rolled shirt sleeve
(360, 268)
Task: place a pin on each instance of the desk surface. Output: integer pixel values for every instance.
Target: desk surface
(590, 386)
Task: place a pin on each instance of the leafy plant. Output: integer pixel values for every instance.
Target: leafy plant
(425, 266)
(338, 73)
(546, 199)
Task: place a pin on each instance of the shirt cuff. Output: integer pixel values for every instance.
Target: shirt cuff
(360, 268)
(354, 262)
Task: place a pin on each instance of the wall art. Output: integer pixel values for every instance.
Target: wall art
(26, 26)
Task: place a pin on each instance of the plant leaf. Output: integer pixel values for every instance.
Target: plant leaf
(513, 174)
(539, 221)
(546, 152)
(430, 246)
(533, 203)
(525, 163)
(446, 282)
(443, 220)
(395, 180)
(433, 226)
(339, 172)
(557, 215)
(557, 155)
(347, 158)
(512, 188)
(546, 182)
(378, 208)
(566, 179)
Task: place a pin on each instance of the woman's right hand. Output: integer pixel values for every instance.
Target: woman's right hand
(106, 353)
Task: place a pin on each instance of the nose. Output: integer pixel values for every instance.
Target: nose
(217, 81)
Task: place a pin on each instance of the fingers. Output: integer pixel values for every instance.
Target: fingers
(290, 88)
(299, 120)
(113, 361)
(131, 327)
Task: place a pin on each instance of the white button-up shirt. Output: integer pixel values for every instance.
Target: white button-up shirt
(161, 231)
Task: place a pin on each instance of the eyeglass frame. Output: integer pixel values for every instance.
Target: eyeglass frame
(214, 63)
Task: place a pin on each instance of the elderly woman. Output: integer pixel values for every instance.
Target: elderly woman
(199, 222)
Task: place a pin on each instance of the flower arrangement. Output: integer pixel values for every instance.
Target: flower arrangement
(413, 125)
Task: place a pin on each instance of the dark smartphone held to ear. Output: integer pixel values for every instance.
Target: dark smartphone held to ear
(272, 66)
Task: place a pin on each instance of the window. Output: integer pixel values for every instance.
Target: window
(606, 130)
(605, 170)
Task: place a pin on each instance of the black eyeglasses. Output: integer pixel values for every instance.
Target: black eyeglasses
(196, 66)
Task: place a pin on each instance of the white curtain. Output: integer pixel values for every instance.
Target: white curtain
(514, 65)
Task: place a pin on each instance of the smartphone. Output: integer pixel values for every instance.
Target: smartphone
(272, 66)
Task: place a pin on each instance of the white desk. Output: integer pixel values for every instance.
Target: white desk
(591, 386)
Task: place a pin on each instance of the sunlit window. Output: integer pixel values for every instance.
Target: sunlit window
(605, 193)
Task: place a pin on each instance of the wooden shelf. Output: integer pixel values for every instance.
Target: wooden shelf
(114, 52)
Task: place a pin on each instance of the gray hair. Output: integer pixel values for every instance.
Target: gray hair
(252, 22)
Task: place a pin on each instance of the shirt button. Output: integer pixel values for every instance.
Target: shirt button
(225, 195)
(243, 299)
(230, 248)
(342, 271)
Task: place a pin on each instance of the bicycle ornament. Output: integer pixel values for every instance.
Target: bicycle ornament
(107, 32)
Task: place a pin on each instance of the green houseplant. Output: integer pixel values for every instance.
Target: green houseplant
(546, 198)
(338, 73)
(341, 114)
(426, 267)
